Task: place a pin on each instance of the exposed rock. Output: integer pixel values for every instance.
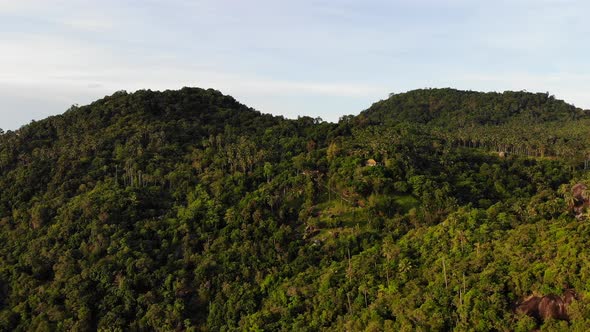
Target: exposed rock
(581, 199)
(547, 307)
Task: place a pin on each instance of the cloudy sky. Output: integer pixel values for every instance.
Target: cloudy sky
(306, 57)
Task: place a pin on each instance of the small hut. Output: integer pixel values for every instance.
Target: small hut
(371, 163)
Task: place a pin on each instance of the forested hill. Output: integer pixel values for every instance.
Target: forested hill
(188, 211)
(452, 108)
(141, 132)
(524, 123)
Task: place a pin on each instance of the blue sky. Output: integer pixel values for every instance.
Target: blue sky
(318, 58)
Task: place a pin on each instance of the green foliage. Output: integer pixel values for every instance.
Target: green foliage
(185, 210)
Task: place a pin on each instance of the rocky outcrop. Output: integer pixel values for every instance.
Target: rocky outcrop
(548, 306)
(581, 199)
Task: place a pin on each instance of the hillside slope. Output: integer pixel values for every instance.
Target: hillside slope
(186, 210)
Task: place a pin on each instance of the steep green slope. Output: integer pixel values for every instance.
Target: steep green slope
(185, 210)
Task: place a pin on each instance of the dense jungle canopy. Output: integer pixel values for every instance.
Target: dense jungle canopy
(435, 209)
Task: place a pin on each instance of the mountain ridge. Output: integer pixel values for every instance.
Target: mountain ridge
(375, 111)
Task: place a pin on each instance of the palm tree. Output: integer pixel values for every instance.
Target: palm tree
(565, 191)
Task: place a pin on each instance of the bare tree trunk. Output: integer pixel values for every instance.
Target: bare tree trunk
(445, 273)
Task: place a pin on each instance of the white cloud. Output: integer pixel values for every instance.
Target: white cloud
(42, 60)
(96, 24)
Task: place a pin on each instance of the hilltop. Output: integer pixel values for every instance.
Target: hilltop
(451, 108)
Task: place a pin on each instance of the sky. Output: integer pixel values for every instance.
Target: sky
(321, 58)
